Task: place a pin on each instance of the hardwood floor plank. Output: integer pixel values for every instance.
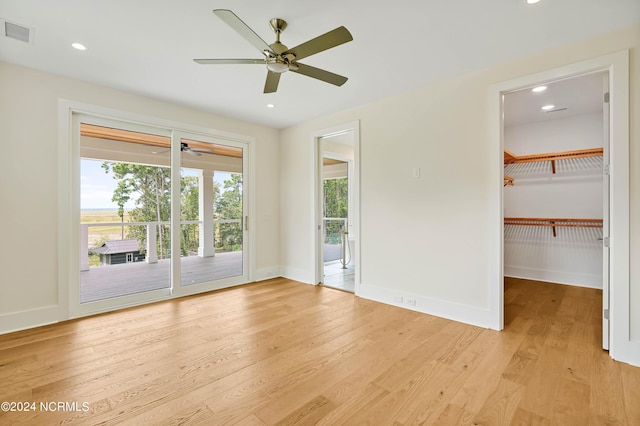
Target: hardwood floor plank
(336, 379)
(310, 413)
(362, 402)
(250, 420)
(453, 415)
(199, 415)
(571, 404)
(631, 392)
(607, 404)
(488, 373)
(527, 418)
(501, 405)
(543, 385)
(281, 352)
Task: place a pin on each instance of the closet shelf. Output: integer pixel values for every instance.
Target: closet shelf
(511, 158)
(553, 222)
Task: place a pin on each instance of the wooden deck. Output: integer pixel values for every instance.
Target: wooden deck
(119, 280)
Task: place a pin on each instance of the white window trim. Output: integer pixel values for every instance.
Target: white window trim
(69, 208)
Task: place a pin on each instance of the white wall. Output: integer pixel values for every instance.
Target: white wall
(427, 239)
(29, 183)
(574, 256)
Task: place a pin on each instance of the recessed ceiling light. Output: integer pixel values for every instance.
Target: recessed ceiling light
(532, 1)
(539, 89)
(271, 106)
(548, 107)
(79, 46)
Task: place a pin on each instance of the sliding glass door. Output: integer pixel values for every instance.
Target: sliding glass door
(212, 212)
(161, 214)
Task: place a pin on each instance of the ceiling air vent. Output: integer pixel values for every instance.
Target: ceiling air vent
(18, 32)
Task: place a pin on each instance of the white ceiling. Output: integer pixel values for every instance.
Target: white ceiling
(147, 46)
(574, 96)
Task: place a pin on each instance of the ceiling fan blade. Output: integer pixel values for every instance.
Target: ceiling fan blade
(320, 74)
(209, 150)
(326, 41)
(228, 61)
(243, 29)
(271, 85)
(191, 152)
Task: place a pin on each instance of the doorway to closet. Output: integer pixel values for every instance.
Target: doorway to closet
(555, 193)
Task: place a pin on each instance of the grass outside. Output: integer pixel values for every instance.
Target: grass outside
(99, 234)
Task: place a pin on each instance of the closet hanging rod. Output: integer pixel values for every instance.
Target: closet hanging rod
(511, 158)
(553, 222)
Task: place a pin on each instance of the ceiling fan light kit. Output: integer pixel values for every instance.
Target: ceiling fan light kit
(277, 65)
(278, 58)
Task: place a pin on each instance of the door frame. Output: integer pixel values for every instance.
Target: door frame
(617, 66)
(316, 205)
(69, 201)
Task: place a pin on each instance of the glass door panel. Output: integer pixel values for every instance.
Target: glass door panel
(125, 195)
(212, 208)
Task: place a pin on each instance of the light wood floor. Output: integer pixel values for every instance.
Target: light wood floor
(280, 352)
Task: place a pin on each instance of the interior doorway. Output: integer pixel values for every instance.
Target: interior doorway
(337, 209)
(556, 185)
(337, 246)
(624, 344)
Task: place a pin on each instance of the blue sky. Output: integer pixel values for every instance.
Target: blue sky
(96, 186)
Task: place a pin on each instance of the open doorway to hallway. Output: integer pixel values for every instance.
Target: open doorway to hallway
(337, 248)
(337, 210)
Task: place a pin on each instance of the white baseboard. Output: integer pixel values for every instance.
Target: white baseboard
(296, 274)
(557, 277)
(440, 308)
(23, 320)
(267, 273)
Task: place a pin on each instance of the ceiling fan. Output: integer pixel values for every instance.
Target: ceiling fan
(279, 58)
(184, 147)
(194, 151)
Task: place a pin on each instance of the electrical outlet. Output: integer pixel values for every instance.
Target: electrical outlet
(397, 299)
(411, 302)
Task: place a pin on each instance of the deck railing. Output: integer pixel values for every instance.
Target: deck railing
(332, 227)
(151, 238)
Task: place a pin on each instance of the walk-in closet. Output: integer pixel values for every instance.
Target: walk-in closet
(555, 187)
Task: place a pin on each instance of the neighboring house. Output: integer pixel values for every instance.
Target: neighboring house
(120, 251)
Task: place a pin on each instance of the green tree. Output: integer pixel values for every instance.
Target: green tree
(152, 186)
(228, 205)
(336, 202)
(190, 205)
(153, 204)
